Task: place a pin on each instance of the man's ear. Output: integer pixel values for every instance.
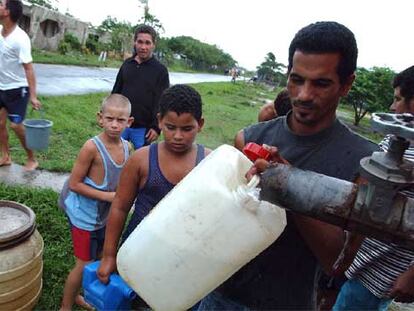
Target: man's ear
(346, 86)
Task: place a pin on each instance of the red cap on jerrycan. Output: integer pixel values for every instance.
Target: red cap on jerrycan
(254, 151)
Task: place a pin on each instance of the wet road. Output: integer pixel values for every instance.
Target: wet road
(65, 80)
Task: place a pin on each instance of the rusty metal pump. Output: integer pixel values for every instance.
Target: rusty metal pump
(380, 208)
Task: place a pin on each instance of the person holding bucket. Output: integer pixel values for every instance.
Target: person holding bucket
(17, 80)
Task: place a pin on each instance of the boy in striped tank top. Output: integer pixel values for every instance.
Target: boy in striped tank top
(383, 271)
(152, 171)
(87, 194)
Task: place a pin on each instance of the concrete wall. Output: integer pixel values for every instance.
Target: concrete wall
(47, 27)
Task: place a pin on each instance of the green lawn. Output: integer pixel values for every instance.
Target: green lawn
(77, 58)
(227, 108)
(73, 58)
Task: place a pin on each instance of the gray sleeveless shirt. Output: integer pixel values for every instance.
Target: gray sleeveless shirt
(284, 275)
(84, 212)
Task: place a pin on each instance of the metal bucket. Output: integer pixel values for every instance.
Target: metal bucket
(37, 133)
(21, 264)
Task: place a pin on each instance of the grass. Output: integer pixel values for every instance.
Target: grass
(346, 114)
(77, 58)
(227, 108)
(73, 58)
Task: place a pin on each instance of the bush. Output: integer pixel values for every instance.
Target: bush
(93, 44)
(63, 47)
(72, 41)
(69, 43)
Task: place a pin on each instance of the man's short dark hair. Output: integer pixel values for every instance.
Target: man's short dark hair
(282, 103)
(145, 29)
(16, 9)
(405, 80)
(181, 98)
(327, 37)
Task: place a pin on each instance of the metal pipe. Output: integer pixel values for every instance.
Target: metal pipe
(338, 202)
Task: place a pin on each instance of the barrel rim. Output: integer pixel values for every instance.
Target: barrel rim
(22, 230)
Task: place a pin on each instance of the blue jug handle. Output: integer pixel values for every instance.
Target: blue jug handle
(114, 280)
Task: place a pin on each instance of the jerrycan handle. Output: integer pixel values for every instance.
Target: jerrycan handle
(103, 296)
(254, 182)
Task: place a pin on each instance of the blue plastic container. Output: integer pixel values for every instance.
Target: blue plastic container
(116, 295)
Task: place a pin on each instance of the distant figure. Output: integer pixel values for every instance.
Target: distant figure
(87, 195)
(233, 73)
(17, 80)
(280, 107)
(102, 56)
(142, 79)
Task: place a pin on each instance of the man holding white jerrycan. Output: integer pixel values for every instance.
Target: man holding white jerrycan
(322, 61)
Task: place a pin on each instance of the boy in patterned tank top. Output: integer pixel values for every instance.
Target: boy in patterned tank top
(152, 171)
(88, 193)
(383, 271)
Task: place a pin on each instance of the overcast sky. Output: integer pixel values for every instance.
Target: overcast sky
(248, 30)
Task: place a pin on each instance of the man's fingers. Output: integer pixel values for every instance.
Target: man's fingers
(261, 165)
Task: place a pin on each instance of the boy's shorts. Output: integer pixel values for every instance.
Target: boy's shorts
(87, 245)
(15, 102)
(135, 135)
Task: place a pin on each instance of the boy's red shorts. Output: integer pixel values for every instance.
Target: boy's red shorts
(87, 245)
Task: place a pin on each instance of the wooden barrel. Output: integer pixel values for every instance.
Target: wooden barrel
(21, 264)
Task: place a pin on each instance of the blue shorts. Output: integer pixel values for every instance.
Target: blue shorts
(355, 296)
(15, 102)
(135, 135)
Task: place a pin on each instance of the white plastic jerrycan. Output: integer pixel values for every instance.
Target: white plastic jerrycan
(201, 233)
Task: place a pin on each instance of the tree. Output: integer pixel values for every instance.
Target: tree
(372, 91)
(121, 33)
(150, 19)
(200, 55)
(49, 4)
(271, 70)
